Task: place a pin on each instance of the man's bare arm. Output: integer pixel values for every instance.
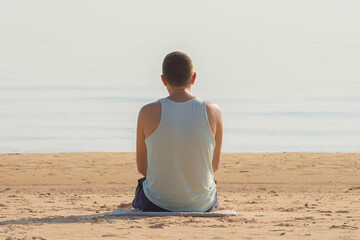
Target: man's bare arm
(216, 125)
(218, 138)
(141, 153)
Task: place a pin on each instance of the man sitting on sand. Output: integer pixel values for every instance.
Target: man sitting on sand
(178, 145)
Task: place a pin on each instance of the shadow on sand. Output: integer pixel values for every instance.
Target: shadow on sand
(92, 218)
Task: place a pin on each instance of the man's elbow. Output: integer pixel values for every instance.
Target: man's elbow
(215, 168)
(215, 164)
(142, 171)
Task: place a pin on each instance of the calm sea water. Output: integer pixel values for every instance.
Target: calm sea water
(286, 75)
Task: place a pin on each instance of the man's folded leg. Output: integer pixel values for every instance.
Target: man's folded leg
(142, 202)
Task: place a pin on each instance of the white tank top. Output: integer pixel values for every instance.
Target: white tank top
(179, 155)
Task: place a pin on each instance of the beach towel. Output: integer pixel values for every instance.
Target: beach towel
(137, 212)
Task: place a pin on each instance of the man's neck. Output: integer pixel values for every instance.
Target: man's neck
(180, 94)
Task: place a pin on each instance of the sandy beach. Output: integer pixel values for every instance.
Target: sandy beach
(276, 195)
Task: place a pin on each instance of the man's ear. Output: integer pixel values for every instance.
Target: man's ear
(193, 79)
(164, 80)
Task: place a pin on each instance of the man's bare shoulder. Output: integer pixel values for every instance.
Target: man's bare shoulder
(212, 108)
(150, 109)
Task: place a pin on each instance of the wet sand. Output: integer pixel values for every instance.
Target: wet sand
(276, 195)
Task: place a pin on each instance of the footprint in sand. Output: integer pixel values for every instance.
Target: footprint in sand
(285, 225)
(342, 211)
(344, 226)
(158, 225)
(324, 211)
(109, 235)
(305, 218)
(352, 189)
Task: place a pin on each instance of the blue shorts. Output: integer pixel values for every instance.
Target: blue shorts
(143, 203)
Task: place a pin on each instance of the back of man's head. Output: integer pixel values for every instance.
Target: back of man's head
(178, 69)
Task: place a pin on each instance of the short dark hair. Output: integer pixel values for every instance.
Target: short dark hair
(178, 69)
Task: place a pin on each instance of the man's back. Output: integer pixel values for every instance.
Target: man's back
(179, 155)
(151, 113)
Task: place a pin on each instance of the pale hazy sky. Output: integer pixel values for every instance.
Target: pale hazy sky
(239, 45)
